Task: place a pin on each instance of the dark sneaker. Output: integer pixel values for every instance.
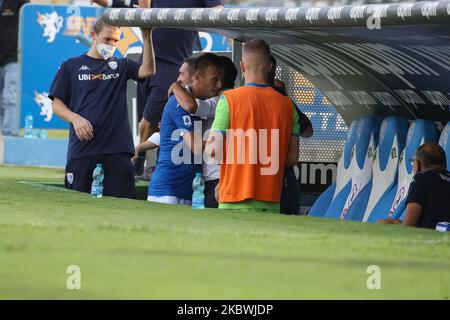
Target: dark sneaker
(138, 166)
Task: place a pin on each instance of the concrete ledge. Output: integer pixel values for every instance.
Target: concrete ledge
(33, 152)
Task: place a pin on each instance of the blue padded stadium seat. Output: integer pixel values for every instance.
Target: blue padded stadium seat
(444, 142)
(385, 168)
(419, 132)
(360, 169)
(322, 204)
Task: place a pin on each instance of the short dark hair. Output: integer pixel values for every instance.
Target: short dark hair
(230, 73)
(258, 46)
(204, 60)
(191, 61)
(100, 24)
(431, 155)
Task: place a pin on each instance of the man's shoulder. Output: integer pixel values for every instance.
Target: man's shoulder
(74, 61)
(427, 175)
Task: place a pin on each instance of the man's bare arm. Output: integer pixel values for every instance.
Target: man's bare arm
(185, 100)
(148, 67)
(413, 213)
(83, 128)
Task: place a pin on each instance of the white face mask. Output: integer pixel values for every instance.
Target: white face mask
(106, 50)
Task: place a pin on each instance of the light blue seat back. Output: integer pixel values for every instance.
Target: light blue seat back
(385, 168)
(360, 169)
(322, 204)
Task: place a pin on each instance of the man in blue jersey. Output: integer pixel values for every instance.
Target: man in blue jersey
(90, 92)
(172, 47)
(171, 182)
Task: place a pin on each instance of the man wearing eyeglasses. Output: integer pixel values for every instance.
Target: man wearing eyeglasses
(428, 200)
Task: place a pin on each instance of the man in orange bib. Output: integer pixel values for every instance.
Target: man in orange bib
(260, 128)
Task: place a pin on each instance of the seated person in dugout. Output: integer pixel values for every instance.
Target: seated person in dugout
(428, 201)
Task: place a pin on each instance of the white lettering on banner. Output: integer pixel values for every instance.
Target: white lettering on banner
(312, 14)
(334, 13)
(340, 124)
(438, 99)
(357, 12)
(323, 170)
(209, 41)
(410, 97)
(179, 15)
(271, 15)
(326, 116)
(129, 15)
(384, 60)
(378, 11)
(315, 61)
(145, 15)
(214, 15)
(233, 15)
(338, 99)
(252, 15)
(387, 99)
(439, 55)
(162, 14)
(429, 9)
(405, 10)
(114, 14)
(363, 98)
(291, 15)
(196, 15)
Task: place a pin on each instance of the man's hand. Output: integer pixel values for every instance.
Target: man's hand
(146, 33)
(144, 3)
(172, 88)
(102, 3)
(83, 128)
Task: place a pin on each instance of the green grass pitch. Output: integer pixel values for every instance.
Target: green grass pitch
(135, 250)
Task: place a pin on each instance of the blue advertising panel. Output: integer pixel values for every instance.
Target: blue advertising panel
(50, 34)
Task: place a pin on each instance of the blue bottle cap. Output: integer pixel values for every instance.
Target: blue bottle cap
(99, 165)
(198, 174)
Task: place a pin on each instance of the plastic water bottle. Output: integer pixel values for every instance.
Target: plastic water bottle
(43, 134)
(97, 185)
(198, 197)
(28, 128)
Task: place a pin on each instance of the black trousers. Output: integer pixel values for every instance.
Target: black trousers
(210, 198)
(119, 176)
(291, 193)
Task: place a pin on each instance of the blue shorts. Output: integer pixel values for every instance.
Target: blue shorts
(119, 175)
(152, 93)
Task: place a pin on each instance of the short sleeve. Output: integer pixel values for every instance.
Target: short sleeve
(60, 87)
(155, 139)
(416, 192)
(183, 120)
(295, 121)
(132, 69)
(222, 119)
(206, 108)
